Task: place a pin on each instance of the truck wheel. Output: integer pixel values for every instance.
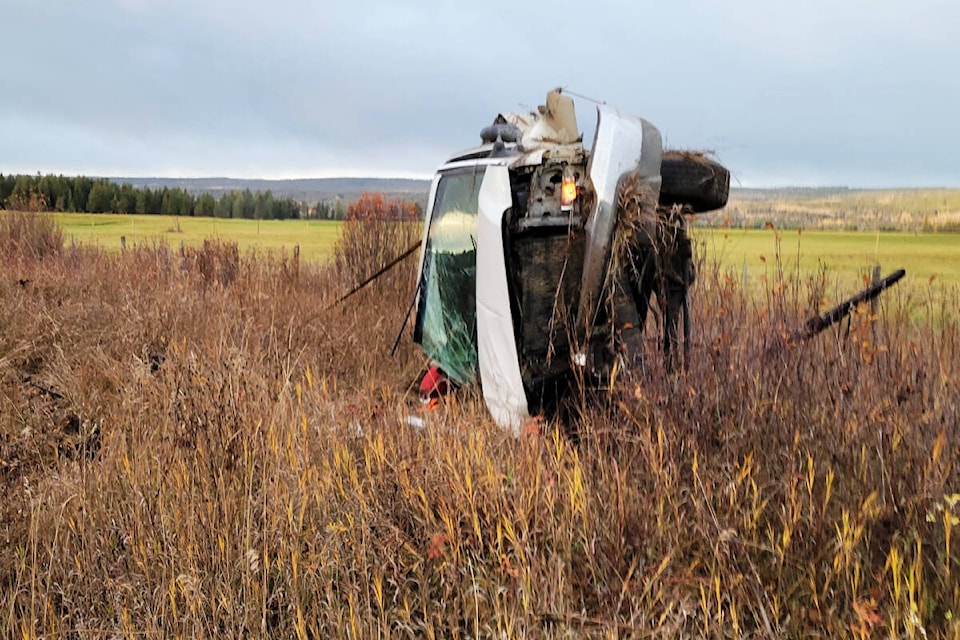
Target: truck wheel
(693, 180)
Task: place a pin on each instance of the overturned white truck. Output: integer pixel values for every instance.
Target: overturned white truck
(529, 238)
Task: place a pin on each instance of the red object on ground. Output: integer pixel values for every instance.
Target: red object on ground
(434, 383)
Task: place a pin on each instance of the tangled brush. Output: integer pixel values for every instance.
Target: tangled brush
(651, 254)
(637, 223)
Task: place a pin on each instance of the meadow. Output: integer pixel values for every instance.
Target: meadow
(315, 238)
(198, 443)
(840, 263)
(842, 260)
(928, 257)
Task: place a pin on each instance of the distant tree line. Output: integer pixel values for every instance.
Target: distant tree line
(333, 209)
(100, 195)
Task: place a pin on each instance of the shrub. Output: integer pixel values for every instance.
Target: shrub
(217, 261)
(375, 232)
(30, 234)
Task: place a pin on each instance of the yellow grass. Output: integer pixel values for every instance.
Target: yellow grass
(848, 255)
(315, 238)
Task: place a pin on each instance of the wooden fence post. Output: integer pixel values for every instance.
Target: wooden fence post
(874, 304)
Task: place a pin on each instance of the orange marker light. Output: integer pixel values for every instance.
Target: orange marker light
(568, 192)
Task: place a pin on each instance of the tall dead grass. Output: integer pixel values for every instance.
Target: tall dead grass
(29, 234)
(211, 451)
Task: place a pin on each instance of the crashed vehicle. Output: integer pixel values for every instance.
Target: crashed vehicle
(540, 258)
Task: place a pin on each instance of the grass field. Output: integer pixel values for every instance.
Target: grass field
(845, 256)
(926, 255)
(314, 237)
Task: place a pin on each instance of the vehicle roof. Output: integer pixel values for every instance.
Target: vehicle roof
(516, 155)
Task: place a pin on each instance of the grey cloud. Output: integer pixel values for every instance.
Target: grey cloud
(860, 93)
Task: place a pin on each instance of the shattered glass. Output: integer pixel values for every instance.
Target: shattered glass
(447, 319)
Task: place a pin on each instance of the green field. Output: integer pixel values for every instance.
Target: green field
(845, 256)
(314, 237)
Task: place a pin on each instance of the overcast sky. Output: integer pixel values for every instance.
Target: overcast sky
(823, 92)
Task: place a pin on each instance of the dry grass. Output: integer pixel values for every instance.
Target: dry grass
(29, 234)
(191, 446)
(365, 246)
(694, 155)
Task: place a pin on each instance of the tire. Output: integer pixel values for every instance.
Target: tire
(693, 180)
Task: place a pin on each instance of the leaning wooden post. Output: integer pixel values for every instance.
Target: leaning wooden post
(874, 304)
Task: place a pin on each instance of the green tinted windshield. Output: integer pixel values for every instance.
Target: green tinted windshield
(447, 316)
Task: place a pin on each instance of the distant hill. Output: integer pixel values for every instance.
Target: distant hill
(767, 193)
(310, 190)
(841, 208)
(789, 207)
